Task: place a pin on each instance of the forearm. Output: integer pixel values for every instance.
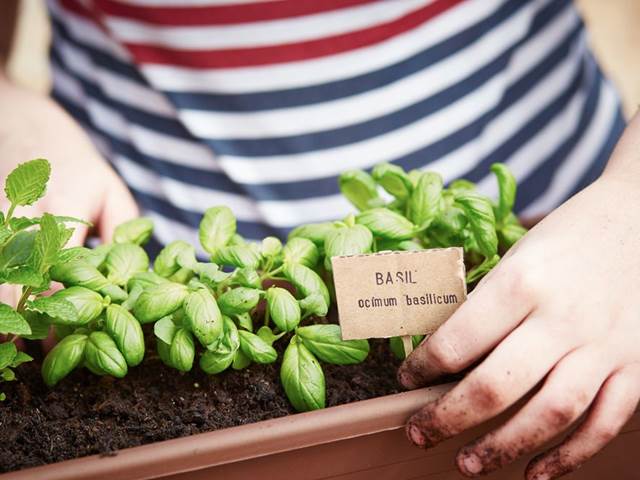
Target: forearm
(624, 164)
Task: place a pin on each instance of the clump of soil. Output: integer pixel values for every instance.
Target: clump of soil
(85, 414)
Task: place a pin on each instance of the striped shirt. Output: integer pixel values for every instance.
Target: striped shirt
(260, 106)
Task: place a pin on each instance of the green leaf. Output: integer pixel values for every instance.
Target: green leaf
(245, 321)
(163, 350)
(301, 250)
(393, 179)
(266, 334)
(424, 203)
(27, 183)
(11, 322)
(103, 357)
(126, 332)
(166, 263)
(509, 234)
(159, 301)
(137, 231)
(271, 246)
(217, 228)
(24, 275)
(507, 186)
(314, 304)
(82, 274)
(240, 361)
(213, 362)
(230, 341)
(359, 188)
(306, 281)
(96, 257)
(8, 352)
(397, 347)
(63, 358)
(182, 351)
(88, 305)
(21, 358)
(237, 256)
(325, 341)
(352, 240)
(18, 249)
(302, 377)
(60, 309)
(165, 329)
(481, 270)
(316, 232)
(39, 324)
(7, 375)
(256, 348)
(125, 260)
(210, 274)
(145, 281)
(49, 241)
(481, 222)
(239, 300)
(5, 234)
(203, 316)
(247, 277)
(283, 309)
(461, 185)
(387, 224)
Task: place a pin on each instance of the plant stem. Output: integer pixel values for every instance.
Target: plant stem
(26, 293)
(9, 214)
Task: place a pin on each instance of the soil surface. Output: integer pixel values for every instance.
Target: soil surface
(85, 414)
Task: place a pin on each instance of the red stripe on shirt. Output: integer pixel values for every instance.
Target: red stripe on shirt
(244, 57)
(223, 14)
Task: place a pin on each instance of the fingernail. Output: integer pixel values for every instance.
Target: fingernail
(416, 435)
(471, 464)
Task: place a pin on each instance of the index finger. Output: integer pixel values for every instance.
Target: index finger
(491, 312)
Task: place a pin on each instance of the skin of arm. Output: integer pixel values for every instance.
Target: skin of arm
(560, 312)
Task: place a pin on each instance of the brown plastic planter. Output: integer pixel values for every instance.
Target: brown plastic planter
(362, 440)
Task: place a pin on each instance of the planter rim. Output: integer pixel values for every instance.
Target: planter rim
(202, 450)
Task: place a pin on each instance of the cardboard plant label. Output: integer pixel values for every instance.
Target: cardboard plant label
(392, 294)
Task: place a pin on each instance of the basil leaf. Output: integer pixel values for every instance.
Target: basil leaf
(481, 270)
(461, 185)
(145, 281)
(509, 234)
(182, 351)
(125, 260)
(314, 304)
(255, 348)
(245, 321)
(38, 323)
(213, 362)
(325, 341)
(11, 322)
(240, 360)
(102, 357)
(301, 250)
(266, 334)
(283, 309)
(20, 358)
(8, 352)
(393, 179)
(27, 183)
(424, 203)
(126, 332)
(159, 301)
(165, 329)
(137, 231)
(237, 256)
(347, 241)
(507, 188)
(88, 305)
(82, 274)
(397, 347)
(203, 316)
(387, 224)
(217, 228)
(166, 263)
(306, 281)
(230, 341)
(359, 188)
(271, 246)
(95, 257)
(302, 377)
(59, 309)
(239, 300)
(316, 232)
(247, 277)
(63, 358)
(481, 222)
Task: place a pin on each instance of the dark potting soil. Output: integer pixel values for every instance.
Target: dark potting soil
(85, 414)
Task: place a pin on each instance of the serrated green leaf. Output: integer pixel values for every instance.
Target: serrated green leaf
(21, 358)
(18, 249)
(23, 275)
(27, 183)
(59, 308)
(8, 352)
(39, 324)
(11, 322)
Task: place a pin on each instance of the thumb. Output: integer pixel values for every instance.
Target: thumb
(118, 206)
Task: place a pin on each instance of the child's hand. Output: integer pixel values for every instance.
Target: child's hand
(563, 308)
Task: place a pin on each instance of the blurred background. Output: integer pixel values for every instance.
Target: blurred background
(612, 25)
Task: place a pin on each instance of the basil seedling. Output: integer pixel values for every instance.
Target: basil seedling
(302, 377)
